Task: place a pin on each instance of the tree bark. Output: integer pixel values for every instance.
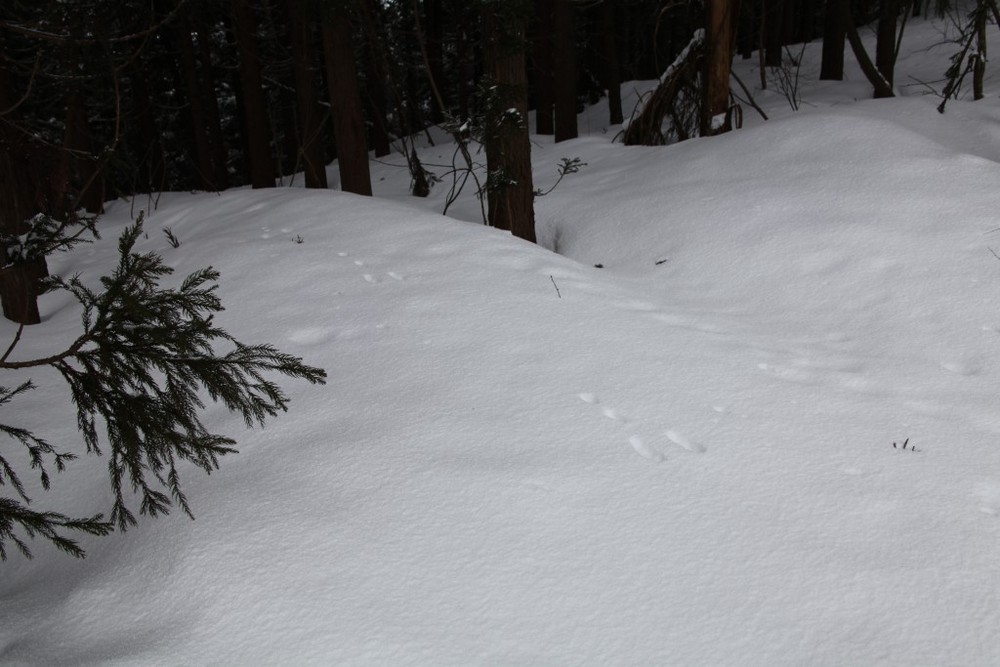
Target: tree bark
(885, 45)
(510, 189)
(199, 135)
(564, 71)
(718, 61)
(834, 34)
(612, 70)
(254, 107)
(882, 87)
(542, 58)
(311, 140)
(345, 102)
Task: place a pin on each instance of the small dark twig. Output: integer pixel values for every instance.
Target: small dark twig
(558, 293)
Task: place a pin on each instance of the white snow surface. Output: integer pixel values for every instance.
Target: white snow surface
(682, 458)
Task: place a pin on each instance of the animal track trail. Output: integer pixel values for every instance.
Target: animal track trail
(637, 442)
(372, 278)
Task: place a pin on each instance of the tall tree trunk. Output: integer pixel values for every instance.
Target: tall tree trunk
(311, 139)
(834, 34)
(80, 180)
(542, 60)
(508, 149)
(199, 135)
(718, 61)
(434, 36)
(210, 99)
(612, 70)
(254, 106)
(979, 67)
(885, 45)
(20, 198)
(882, 87)
(150, 172)
(377, 107)
(466, 72)
(564, 71)
(771, 25)
(345, 102)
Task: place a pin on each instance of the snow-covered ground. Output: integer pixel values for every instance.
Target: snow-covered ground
(685, 457)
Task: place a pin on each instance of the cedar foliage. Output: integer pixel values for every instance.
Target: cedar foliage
(138, 374)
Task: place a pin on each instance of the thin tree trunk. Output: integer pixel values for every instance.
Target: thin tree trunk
(345, 101)
(564, 71)
(979, 68)
(258, 133)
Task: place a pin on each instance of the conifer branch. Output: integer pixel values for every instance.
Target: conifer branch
(141, 367)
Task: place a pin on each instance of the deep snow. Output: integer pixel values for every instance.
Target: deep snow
(685, 457)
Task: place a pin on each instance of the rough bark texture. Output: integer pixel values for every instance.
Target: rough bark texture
(345, 100)
(719, 24)
(252, 93)
(564, 71)
(508, 149)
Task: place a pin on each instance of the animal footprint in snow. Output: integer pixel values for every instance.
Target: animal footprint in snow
(370, 278)
(680, 440)
(643, 450)
(637, 443)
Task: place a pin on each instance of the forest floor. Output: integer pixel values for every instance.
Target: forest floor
(691, 455)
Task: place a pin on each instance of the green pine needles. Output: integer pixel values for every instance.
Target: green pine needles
(140, 369)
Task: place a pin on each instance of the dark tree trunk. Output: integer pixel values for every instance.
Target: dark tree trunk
(21, 166)
(466, 72)
(377, 106)
(832, 66)
(199, 135)
(771, 23)
(210, 99)
(612, 70)
(885, 45)
(258, 132)
(311, 139)
(508, 149)
(345, 102)
(882, 87)
(434, 36)
(564, 71)
(718, 61)
(79, 181)
(150, 172)
(542, 59)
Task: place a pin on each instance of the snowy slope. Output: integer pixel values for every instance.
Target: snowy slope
(685, 457)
